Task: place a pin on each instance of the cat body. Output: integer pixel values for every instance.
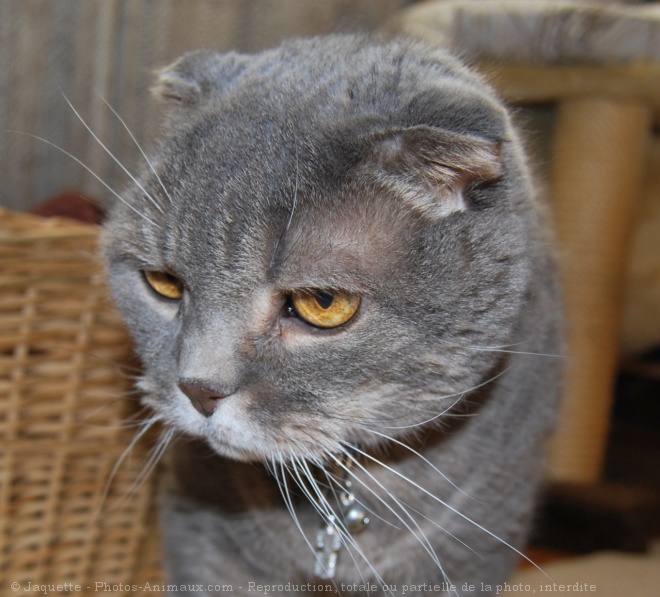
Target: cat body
(380, 185)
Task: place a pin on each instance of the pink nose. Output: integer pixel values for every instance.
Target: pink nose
(202, 396)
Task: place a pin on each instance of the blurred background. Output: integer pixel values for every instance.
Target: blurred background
(583, 81)
(108, 50)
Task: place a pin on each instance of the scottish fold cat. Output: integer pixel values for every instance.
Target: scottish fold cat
(337, 276)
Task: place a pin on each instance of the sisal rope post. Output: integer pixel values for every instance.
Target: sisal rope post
(596, 178)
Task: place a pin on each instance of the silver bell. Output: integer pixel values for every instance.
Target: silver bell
(355, 518)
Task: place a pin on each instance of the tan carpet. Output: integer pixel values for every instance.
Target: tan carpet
(605, 574)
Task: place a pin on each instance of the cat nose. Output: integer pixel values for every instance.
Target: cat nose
(203, 396)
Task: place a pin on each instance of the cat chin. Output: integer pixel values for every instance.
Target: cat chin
(232, 431)
(233, 453)
(259, 451)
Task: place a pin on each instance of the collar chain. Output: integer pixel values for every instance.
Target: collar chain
(351, 519)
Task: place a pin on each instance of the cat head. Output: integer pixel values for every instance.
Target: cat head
(327, 234)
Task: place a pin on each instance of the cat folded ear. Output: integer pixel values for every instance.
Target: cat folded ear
(195, 75)
(431, 168)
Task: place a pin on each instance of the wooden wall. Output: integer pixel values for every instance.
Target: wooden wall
(96, 50)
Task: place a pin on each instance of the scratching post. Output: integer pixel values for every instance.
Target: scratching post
(596, 177)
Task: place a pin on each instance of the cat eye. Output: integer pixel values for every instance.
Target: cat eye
(164, 284)
(325, 309)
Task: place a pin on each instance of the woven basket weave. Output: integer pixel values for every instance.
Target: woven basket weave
(65, 390)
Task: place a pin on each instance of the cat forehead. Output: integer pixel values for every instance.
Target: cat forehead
(345, 242)
(255, 126)
(263, 150)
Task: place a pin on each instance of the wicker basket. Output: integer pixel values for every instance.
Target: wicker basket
(65, 390)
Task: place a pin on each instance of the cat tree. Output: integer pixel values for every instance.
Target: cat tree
(600, 67)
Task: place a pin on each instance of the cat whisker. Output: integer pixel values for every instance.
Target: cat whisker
(390, 495)
(120, 367)
(330, 516)
(135, 420)
(110, 400)
(439, 472)
(438, 526)
(434, 417)
(88, 169)
(332, 483)
(286, 496)
(419, 533)
(144, 155)
(321, 506)
(280, 239)
(444, 530)
(459, 396)
(352, 546)
(430, 419)
(509, 345)
(112, 155)
(320, 463)
(146, 426)
(521, 352)
(298, 468)
(295, 193)
(293, 246)
(504, 349)
(449, 507)
(421, 457)
(155, 457)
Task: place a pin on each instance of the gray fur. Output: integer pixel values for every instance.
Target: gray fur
(384, 169)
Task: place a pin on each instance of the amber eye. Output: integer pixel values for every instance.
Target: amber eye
(325, 309)
(165, 284)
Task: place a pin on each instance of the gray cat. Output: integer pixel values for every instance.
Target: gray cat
(336, 274)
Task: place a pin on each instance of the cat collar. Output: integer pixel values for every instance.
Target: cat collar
(350, 519)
